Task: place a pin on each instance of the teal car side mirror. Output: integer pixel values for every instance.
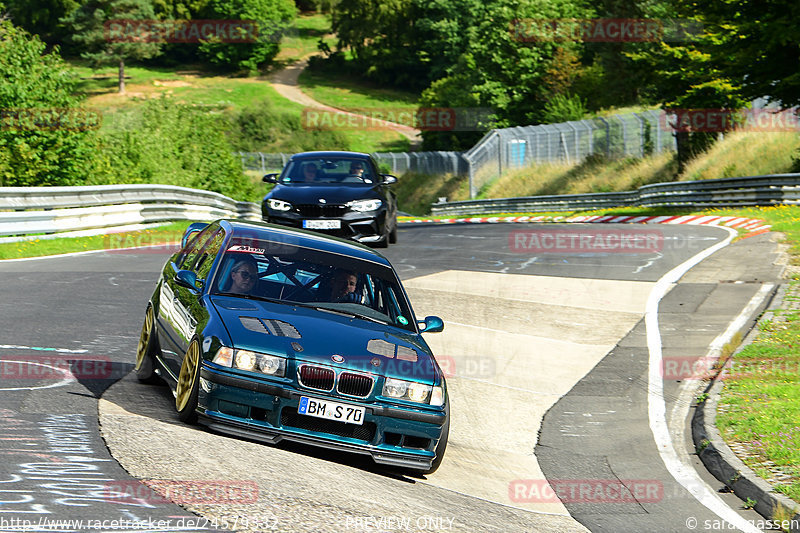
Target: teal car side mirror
(431, 324)
(187, 279)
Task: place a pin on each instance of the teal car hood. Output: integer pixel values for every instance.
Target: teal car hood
(309, 335)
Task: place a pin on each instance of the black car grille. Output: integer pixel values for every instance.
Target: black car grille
(316, 377)
(290, 417)
(313, 210)
(354, 384)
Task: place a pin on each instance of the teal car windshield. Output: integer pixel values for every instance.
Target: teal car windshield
(327, 281)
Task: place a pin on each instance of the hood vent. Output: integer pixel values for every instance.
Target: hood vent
(279, 328)
(389, 350)
(253, 324)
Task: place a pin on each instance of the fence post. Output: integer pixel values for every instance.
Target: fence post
(499, 154)
(575, 136)
(471, 172)
(608, 136)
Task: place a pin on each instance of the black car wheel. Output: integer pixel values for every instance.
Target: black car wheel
(146, 351)
(393, 234)
(188, 383)
(384, 242)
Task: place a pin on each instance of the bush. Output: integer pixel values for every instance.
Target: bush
(262, 128)
(564, 108)
(45, 138)
(172, 144)
(272, 18)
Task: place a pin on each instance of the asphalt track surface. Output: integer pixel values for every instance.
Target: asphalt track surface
(70, 330)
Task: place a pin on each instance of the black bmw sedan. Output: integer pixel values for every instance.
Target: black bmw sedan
(337, 193)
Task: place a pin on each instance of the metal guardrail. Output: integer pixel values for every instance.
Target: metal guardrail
(66, 211)
(778, 189)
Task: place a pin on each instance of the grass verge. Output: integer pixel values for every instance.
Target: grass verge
(347, 92)
(759, 406)
(308, 30)
(38, 247)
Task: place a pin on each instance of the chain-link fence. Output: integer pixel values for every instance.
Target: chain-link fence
(500, 150)
(423, 162)
(263, 162)
(631, 134)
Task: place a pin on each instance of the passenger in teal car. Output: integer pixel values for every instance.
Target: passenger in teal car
(343, 287)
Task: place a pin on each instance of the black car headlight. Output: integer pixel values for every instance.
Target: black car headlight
(413, 391)
(365, 205)
(279, 205)
(270, 365)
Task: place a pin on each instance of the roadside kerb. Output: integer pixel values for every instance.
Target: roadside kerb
(723, 463)
(753, 226)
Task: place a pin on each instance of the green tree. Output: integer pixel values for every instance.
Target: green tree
(108, 32)
(755, 44)
(498, 68)
(692, 75)
(45, 138)
(42, 17)
(272, 18)
(179, 9)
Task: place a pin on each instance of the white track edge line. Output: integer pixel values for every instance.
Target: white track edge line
(687, 477)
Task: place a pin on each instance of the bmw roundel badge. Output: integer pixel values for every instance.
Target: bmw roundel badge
(336, 358)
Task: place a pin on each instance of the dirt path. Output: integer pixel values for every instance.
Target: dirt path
(285, 82)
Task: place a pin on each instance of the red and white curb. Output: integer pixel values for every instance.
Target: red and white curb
(753, 226)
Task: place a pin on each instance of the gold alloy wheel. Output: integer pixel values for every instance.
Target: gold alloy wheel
(144, 338)
(186, 379)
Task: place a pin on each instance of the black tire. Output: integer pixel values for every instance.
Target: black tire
(188, 384)
(441, 446)
(393, 234)
(146, 351)
(383, 243)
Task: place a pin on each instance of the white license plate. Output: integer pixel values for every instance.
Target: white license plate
(341, 412)
(322, 224)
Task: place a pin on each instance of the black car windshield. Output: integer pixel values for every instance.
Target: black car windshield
(313, 278)
(328, 170)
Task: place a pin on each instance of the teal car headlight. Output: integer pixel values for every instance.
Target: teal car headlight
(279, 205)
(413, 391)
(365, 205)
(270, 365)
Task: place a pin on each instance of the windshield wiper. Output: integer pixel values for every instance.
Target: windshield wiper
(350, 314)
(253, 297)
